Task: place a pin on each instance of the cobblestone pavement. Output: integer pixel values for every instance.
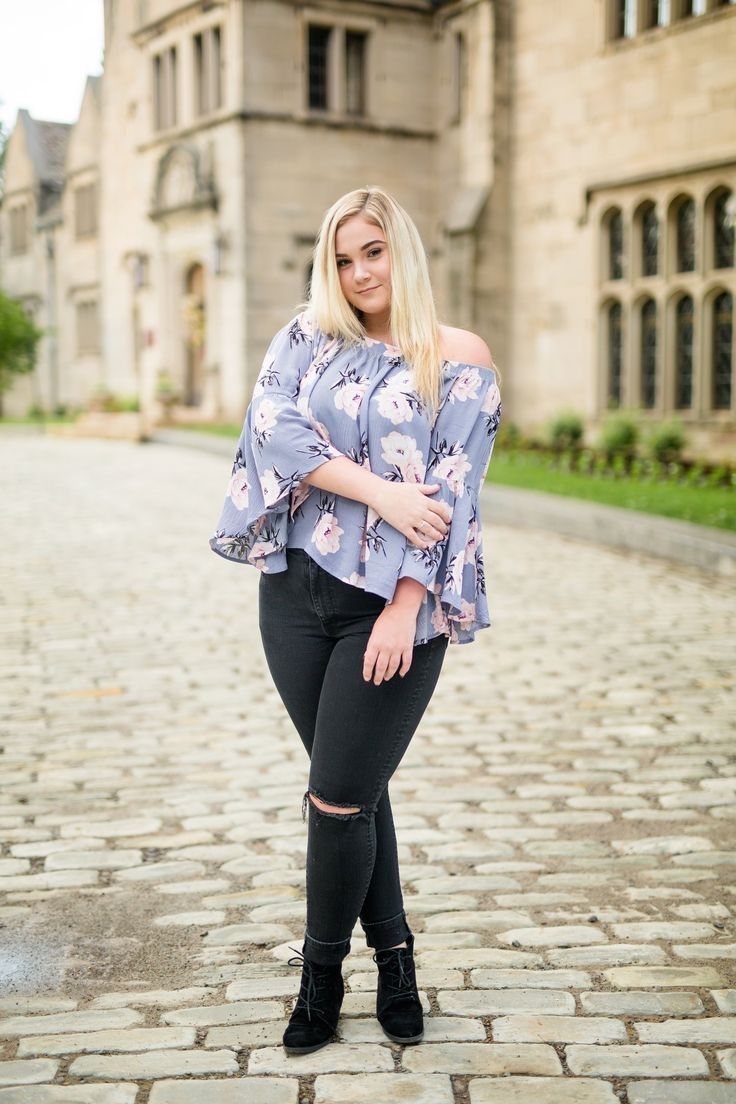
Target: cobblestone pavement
(565, 816)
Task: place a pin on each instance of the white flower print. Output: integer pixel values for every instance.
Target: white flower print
(349, 396)
(327, 534)
(259, 551)
(265, 417)
(439, 618)
(453, 469)
(270, 487)
(468, 612)
(491, 399)
(466, 385)
(355, 579)
(402, 451)
(394, 399)
(299, 495)
(238, 489)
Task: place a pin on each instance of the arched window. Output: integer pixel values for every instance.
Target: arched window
(648, 354)
(649, 241)
(655, 13)
(724, 217)
(722, 351)
(622, 18)
(684, 353)
(614, 337)
(685, 246)
(615, 245)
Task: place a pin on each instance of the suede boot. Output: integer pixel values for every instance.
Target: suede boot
(398, 1005)
(314, 1018)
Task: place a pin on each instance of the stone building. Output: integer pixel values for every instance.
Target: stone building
(572, 171)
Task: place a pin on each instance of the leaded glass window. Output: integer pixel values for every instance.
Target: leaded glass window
(724, 216)
(650, 242)
(648, 354)
(684, 353)
(686, 236)
(722, 350)
(615, 246)
(615, 357)
(319, 38)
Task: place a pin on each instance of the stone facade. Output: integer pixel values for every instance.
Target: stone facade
(531, 148)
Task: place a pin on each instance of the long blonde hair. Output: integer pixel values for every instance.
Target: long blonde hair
(414, 326)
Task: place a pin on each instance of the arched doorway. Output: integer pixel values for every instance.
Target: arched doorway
(195, 323)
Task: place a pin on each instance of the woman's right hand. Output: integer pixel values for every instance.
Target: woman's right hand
(408, 508)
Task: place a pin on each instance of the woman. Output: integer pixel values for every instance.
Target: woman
(367, 571)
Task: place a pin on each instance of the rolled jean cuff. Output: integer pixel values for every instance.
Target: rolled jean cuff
(326, 954)
(387, 933)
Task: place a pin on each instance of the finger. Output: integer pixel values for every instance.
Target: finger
(392, 667)
(369, 659)
(418, 539)
(442, 513)
(381, 665)
(406, 658)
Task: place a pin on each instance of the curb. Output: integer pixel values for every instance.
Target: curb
(684, 542)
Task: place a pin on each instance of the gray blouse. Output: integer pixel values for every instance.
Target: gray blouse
(316, 399)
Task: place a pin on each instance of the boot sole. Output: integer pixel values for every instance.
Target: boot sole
(308, 1049)
(403, 1038)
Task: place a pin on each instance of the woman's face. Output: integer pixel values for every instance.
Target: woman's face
(361, 256)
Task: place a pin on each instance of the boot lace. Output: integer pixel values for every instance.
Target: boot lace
(395, 974)
(311, 984)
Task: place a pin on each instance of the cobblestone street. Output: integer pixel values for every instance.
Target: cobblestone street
(566, 816)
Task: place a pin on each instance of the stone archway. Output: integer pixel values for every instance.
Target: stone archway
(194, 315)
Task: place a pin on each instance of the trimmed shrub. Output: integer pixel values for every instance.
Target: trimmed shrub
(566, 431)
(667, 440)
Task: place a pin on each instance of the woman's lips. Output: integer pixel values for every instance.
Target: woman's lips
(366, 290)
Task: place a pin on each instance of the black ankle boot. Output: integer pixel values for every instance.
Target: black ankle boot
(398, 1005)
(316, 1012)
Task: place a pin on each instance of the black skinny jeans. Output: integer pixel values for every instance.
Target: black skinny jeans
(315, 630)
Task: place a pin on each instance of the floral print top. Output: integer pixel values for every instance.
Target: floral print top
(316, 399)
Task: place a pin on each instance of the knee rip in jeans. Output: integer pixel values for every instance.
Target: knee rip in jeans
(330, 808)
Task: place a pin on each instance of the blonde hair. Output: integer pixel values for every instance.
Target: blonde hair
(414, 324)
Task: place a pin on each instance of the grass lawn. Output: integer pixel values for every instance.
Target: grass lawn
(714, 506)
(218, 429)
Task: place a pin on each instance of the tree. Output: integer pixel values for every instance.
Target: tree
(19, 337)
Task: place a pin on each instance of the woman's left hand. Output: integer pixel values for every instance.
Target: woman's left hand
(390, 644)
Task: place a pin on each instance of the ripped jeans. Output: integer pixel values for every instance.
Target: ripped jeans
(315, 630)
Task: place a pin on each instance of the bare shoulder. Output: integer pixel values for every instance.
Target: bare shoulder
(464, 346)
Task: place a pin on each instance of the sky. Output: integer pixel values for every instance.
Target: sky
(48, 48)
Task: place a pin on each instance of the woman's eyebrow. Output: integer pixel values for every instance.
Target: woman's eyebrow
(375, 241)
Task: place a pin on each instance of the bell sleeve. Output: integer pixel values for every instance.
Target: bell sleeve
(452, 570)
(280, 443)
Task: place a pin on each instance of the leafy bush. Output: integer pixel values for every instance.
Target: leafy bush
(509, 435)
(619, 436)
(566, 430)
(667, 441)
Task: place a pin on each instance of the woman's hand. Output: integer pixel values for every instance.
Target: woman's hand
(406, 506)
(391, 643)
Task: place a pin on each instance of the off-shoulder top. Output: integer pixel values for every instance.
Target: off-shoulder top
(315, 399)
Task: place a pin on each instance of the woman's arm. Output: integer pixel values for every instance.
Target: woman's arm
(348, 478)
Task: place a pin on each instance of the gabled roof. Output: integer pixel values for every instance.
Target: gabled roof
(47, 144)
